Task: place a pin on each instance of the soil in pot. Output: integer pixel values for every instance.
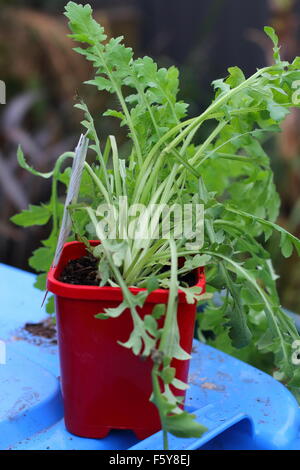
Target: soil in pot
(83, 271)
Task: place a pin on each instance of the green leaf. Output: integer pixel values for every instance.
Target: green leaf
(236, 77)
(274, 38)
(84, 27)
(114, 113)
(277, 112)
(286, 238)
(50, 306)
(158, 311)
(150, 325)
(23, 164)
(266, 341)
(184, 425)
(34, 215)
(113, 312)
(101, 83)
(196, 261)
(193, 294)
(152, 284)
(240, 333)
(168, 374)
(248, 296)
(179, 384)
(286, 245)
(272, 35)
(40, 282)
(41, 259)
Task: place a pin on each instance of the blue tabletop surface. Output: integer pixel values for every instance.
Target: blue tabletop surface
(242, 407)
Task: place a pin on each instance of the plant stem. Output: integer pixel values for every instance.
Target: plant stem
(123, 104)
(166, 440)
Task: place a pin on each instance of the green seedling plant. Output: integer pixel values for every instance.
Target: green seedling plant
(164, 163)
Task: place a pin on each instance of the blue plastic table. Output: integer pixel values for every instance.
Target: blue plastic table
(242, 407)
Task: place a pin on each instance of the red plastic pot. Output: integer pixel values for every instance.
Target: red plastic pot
(104, 385)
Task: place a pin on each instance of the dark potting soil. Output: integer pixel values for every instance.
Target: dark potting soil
(83, 271)
(189, 279)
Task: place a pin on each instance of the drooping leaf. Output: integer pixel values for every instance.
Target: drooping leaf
(34, 215)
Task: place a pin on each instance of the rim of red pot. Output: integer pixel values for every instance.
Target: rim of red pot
(75, 249)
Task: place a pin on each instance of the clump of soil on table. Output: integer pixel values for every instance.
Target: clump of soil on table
(84, 272)
(45, 329)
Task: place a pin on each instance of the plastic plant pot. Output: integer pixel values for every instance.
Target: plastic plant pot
(104, 385)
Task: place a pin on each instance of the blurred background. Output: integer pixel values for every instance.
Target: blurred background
(44, 78)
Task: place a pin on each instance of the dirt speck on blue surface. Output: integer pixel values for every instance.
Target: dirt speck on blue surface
(224, 376)
(44, 330)
(264, 401)
(26, 400)
(250, 381)
(205, 383)
(212, 386)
